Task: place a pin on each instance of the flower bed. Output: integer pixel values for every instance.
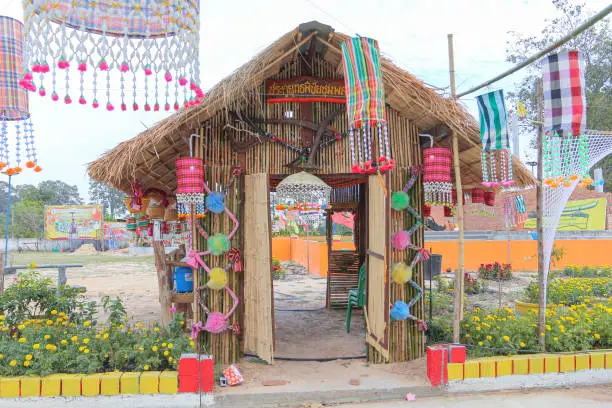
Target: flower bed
(570, 291)
(577, 271)
(495, 271)
(64, 336)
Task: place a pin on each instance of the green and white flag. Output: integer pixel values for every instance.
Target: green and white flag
(493, 121)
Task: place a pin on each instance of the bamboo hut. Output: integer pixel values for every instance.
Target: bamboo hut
(238, 128)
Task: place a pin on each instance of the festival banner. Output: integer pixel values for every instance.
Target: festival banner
(63, 222)
(305, 89)
(116, 231)
(579, 215)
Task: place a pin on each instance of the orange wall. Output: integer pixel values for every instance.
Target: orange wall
(296, 250)
(524, 253)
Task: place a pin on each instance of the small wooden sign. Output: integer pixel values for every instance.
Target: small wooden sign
(305, 89)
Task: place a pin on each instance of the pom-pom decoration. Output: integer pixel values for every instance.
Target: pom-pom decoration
(401, 273)
(400, 310)
(217, 279)
(400, 200)
(215, 202)
(218, 244)
(401, 240)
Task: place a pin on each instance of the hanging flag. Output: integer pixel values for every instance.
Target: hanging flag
(564, 96)
(495, 140)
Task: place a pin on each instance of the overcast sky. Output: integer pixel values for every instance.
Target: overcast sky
(411, 32)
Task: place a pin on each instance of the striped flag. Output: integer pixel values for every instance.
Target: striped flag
(493, 121)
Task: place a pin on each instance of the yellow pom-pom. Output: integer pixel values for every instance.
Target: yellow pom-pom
(217, 279)
(401, 273)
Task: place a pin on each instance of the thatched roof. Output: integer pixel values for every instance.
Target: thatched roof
(429, 111)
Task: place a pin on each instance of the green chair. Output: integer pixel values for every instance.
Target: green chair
(356, 296)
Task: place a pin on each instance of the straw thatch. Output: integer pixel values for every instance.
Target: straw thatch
(150, 156)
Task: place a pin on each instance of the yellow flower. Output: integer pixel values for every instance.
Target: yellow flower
(49, 346)
(85, 340)
(36, 346)
(522, 344)
(555, 338)
(164, 344)
(54, 312)
(597, 336)
(146, 367)
(22, 340)
(480, 343)
(87, 323)
(166, 353)
(191, 343)
(21, 326)
(86, 351)
(28, 357)
(63, 342)
(74, 338)
(49, 322)
(547, 327)
(26, 363)
(170, 345)
(170, 359)
(140, 348)
(47, 337)
(1, 356)
(154, 348)
(105, 336)
(489, 337)
(506, 338)
(1, 317)
(156, 329)
(13, 363)
(140, 325)
(467, 336)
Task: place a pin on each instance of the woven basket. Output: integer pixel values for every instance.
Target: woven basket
(131, 224)
(156, 213)
(145, 204)
(171, 214)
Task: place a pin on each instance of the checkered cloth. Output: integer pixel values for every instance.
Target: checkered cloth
(437, 165)
(564, 97)
(478, 196)
(493, 121)
(189, 175)
(13, 98)
(365, 92)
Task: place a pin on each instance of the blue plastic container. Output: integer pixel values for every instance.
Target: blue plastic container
(183, 279)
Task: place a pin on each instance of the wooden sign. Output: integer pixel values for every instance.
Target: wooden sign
(305, 89)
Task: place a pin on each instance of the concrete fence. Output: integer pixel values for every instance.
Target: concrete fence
(45, 245)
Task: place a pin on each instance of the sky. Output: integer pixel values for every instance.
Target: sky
(413, 33)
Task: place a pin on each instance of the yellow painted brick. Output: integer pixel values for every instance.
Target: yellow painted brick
(608, 360)
(91, 385)
(551, 364)
(471, 369)
(9, 387)
(598, 360)
(51, 385)
(30, 386)
(583, 362)
(520, 366)
(149, 382)
(455, 371)
(130, 383)
(536, 365)
(487, 369)
(71, 385)
(567, 364)
(110, 383)
(168, 382)
(504, 367)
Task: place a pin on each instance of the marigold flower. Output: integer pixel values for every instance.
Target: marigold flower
(506, 338)
(85, 340)
(22, 340)
(26, 363)
(36, 346)
(54, 312)
(146, 367)
(154, 348)
(13, 363)
(28, 357)
(166, 353)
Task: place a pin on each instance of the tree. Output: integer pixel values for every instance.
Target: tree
(109, 197)
(50, 192)
(595, 44)
(29, 219)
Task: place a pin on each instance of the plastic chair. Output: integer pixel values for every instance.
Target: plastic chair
(356, 297)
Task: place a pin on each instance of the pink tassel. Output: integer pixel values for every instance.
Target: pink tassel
(110, 107)
(67, 100)
(103, 65)
(83, 66)
(95, 104)
(54, 97)
(125, 67)
(168, 76)
(123, 107)
(182, 81)
(82, 100)
(42, 92)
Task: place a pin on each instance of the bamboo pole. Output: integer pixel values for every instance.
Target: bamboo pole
(458, 292)
(540, 210)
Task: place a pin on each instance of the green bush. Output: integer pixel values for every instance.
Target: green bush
(570, 291)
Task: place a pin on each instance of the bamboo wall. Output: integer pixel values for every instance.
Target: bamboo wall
(406, 343)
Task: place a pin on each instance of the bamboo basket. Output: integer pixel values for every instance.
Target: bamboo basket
(156, 212)
(131, 224)
(145, 204)
(171, 214)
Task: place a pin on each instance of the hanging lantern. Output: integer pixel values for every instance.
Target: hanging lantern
(437, 184)
(565, 146)
(106, 42)
(190, 182)
(14, 104)
(303, 187)
(489, 198)
(365, 106)
(131, 224)
(478, 196)
(495, 140)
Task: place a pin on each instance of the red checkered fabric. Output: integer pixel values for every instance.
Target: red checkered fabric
(437, 165)
(478, 196)
(189, 175)
(489, 198)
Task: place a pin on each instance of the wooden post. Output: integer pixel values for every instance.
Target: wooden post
(1, 272)
(163, 281)
(459, 289)
(540, 210)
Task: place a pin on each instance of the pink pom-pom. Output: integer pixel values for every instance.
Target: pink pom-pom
(156, 107)
(401, 240)
(82, 66)
(362, 171)
(186, 104)
(368, 163)
(182, 81)
(354, 168)
(82, 101)
(495, 184)
(42, 92)
(147, 108)
(95, 104)
(487, 183)
(135, 106)
(123, 107)
(110, 107)
(382, 159)
(176, 106)
(338, 137)
(67, 100)
(148, 71)
(45, 68)
(37, 68)
(193, 86)
(28, 76)
(103, 65)
(125, 67)
(168, 76)
(167, 107)
(54, 97)
(63, 64)
(371, 170)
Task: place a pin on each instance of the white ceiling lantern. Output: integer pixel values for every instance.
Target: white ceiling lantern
(303, 187)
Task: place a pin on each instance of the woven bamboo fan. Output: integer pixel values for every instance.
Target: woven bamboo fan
(171, 214)
(128, 204)
(156, 212)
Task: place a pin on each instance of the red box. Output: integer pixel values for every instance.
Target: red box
(188, 383)
(437, 365)
(207, 373)
(188, 365)
(456, 354)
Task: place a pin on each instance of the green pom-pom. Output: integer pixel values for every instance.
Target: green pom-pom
(218, 244)
(400, 200)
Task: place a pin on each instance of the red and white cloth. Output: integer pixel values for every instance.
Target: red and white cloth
(232, 375)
